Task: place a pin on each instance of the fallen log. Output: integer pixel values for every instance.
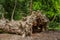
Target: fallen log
(25, 26)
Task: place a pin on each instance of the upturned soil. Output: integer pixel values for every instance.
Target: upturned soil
(48, 35)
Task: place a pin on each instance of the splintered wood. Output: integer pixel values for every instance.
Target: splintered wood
(26, 26)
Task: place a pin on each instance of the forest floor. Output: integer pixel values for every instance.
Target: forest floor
(48, 35)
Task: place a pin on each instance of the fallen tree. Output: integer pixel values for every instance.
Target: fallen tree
(26, 26)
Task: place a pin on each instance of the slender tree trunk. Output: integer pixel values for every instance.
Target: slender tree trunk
(53, 18)
(3, 14)
(31, 6)
(13, 10)
(31, 11)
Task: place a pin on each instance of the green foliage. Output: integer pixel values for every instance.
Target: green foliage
(50, 8)
(36, 6)
(22, 8)
(53, 24)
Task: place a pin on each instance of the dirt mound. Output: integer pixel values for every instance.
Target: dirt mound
(48, 35)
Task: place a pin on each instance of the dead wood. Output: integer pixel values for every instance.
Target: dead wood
(25, 26)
